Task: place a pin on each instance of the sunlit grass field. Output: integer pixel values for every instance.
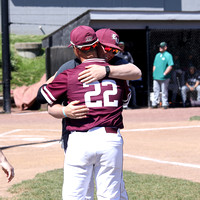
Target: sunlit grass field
(48, 186)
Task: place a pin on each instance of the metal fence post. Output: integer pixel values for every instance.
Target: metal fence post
(148, 65)
(6, 56)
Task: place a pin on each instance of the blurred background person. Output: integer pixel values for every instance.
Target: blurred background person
(192, 80)
(125, 54)
(177, 79)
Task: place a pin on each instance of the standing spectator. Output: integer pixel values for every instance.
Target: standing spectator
(177, 79)
(192, 79)
(136, 87)
(177, 71)
(128, 57)
(6, 166)
(125, 54)
(162, 67)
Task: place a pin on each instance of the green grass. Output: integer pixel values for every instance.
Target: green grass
(153, 187)
(45, 186)
(195, 118)
(25, 71)
(48, 186)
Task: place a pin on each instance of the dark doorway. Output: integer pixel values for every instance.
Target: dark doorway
(135, 43)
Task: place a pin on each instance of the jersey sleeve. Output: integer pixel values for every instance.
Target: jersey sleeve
(40, 98)
(54, 90)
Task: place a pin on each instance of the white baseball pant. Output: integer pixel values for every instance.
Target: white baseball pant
(96, 151)
(90, 191)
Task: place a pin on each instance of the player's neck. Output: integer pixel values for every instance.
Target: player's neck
(89, 56)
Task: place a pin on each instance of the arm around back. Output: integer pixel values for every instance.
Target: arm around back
(127, 71)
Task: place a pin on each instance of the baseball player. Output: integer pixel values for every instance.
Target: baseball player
(124, 70)
(6, 166)
(105, 36)
(95, 142)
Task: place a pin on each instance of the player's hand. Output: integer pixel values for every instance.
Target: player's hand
(192, 88)
(92, 73)
(74, 111)
(8, 170)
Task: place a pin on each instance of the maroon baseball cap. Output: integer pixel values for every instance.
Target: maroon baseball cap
(82, 36)
(108, 37)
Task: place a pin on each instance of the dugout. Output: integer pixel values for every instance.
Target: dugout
(141, 32)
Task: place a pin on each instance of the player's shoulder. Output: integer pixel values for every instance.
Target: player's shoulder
(117, 60)
(71, 64)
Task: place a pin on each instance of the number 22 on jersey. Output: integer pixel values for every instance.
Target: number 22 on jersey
(97, 91)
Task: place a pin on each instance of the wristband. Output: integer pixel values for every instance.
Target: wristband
(107, 71)
(63, 110)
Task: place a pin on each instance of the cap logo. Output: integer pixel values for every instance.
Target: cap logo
(89, 39)
(114, 37)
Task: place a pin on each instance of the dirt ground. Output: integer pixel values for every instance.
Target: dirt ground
(156, 141)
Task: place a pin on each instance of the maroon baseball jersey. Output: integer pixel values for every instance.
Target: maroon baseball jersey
(104, 98)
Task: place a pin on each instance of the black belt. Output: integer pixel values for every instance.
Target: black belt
(107, 129)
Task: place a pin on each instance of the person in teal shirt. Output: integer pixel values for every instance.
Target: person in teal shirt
(162, 67)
